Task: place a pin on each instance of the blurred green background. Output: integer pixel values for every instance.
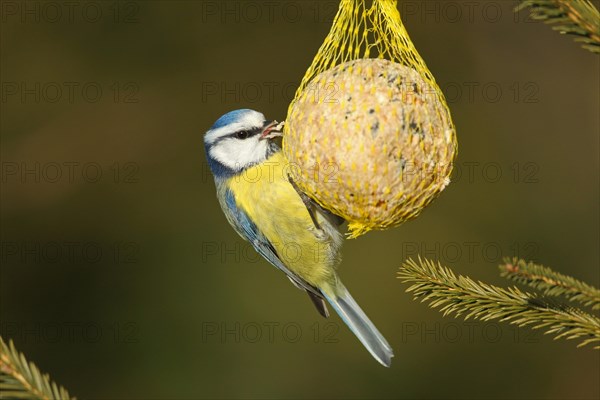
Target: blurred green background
(122, 279)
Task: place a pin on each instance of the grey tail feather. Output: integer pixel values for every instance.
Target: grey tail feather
(319, 303)
(361, 326)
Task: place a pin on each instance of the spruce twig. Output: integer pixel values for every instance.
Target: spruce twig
(465, 297)
(551, 283)
(572, 17)
(20, 379)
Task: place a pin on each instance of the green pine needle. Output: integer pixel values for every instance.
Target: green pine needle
(551, 283)
(463, 296)
(572, 17)
(20, 379)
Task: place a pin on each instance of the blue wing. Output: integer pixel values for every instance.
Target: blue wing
(249, 231)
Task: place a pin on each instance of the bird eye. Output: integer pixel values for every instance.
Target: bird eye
(242, 134)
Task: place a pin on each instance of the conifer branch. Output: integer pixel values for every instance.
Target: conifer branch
(20, 379)
(463, 296)
(572, 17)
(551, 283)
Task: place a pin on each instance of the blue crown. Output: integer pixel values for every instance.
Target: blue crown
(230, 117)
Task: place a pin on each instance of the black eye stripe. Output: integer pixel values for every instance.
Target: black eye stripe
(252, 132)
(245, 134)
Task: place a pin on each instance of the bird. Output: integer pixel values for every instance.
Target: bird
(284, 225)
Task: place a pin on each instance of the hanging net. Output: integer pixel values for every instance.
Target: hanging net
(368, 134)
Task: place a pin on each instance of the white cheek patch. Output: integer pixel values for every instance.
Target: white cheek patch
(237, 154)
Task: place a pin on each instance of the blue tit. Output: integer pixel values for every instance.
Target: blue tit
(284, 225)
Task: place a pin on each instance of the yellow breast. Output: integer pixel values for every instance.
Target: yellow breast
(266, 195)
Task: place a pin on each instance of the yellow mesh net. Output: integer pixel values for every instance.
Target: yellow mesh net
(369, 134)
(363, 31)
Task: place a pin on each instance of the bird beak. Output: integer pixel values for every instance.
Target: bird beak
(272, 130)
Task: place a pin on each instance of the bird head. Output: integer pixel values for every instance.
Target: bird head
(239, 140)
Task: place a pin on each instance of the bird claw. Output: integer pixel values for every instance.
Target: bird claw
(309, 207)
